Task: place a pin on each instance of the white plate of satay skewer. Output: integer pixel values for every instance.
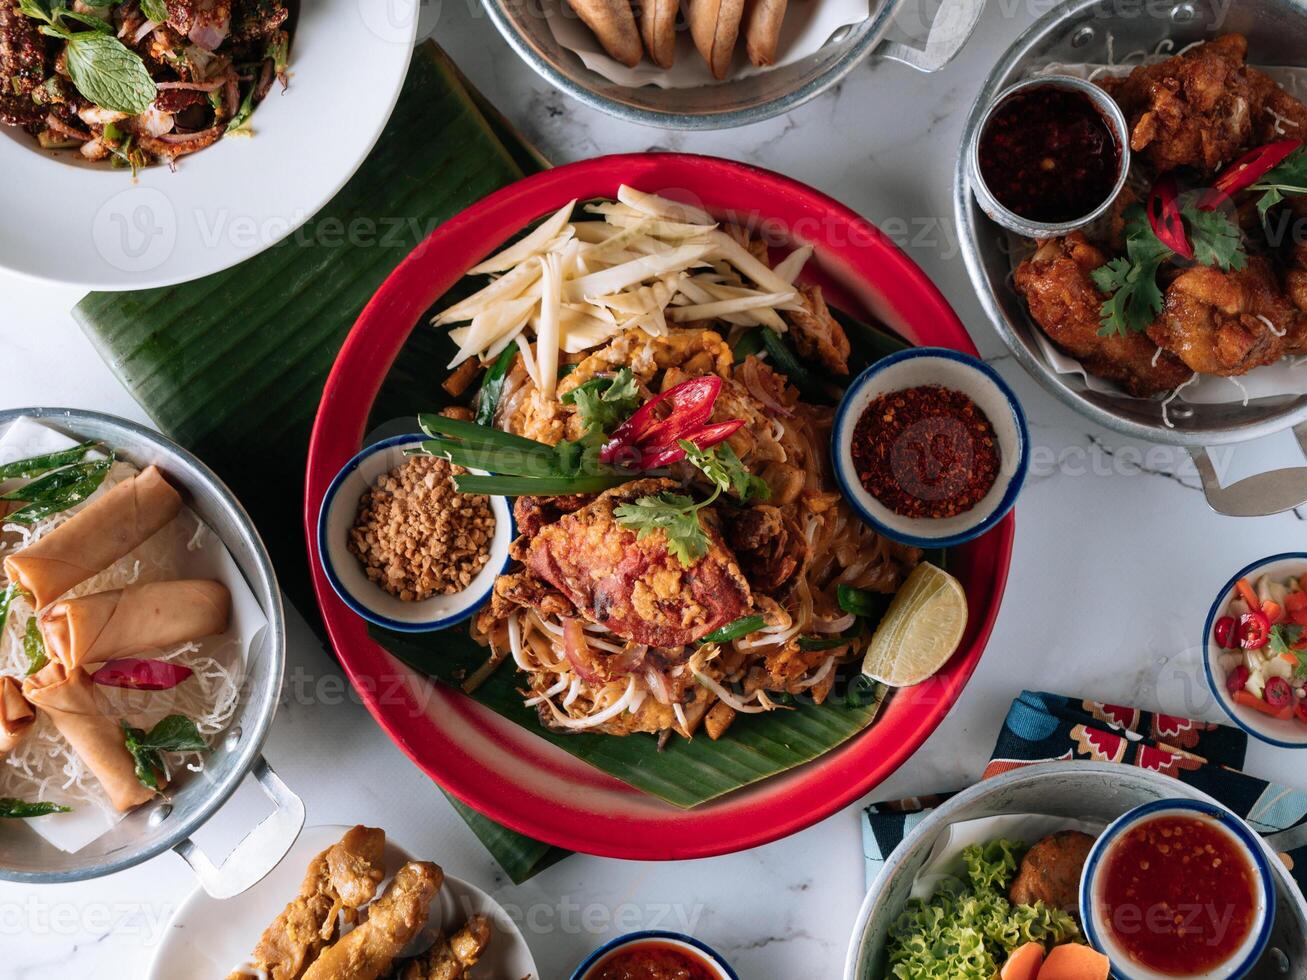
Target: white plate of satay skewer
(346, 902)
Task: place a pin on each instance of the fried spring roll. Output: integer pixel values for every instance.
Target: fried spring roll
(613, 24)
(715, 26)
(140, 618)
(16, 715)
(344, 877)
(96, 537)
(658, 30)
(68, 697)
(762, 30)
(393, 920)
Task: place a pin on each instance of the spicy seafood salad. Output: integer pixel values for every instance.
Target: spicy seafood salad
(658, 397)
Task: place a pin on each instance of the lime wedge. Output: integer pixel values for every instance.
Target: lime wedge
(920, 630)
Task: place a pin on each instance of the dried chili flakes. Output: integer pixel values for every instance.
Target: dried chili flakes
(927, 451)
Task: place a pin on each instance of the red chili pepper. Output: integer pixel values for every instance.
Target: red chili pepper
(1300, 711)
(1246, 171)
(705, 438)
(1237, 679)
(1278, 693)
(1254, 630)
(1164, 215)
(688, 405)
(141, 675)
(1225, 633)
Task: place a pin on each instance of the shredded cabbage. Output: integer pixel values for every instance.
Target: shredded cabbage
(966, 930)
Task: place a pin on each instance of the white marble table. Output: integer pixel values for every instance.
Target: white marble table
(1116, 559)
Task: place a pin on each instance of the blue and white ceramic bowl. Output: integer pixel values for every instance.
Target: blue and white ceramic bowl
(710, 957)
(346, 574)
(1124, 967)
(1286, 733)
(912, 368)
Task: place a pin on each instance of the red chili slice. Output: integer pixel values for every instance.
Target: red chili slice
(1254, 630)
(1246, 171)
(1225, 633)
(689, 405)
(1278, 693)
(1237, 679)
(1164, 215)
(705, 438)
(141, 675)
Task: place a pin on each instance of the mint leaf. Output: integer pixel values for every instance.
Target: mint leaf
(34, 647)
(107, 73)
(176, 733)
(676, 515)
(155, 10)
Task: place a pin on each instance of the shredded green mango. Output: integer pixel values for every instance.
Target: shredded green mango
(967, 930)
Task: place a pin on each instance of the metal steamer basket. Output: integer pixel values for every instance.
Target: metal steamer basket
(1083, 32)
(169, 823)
(1093, 791)
(738, 101)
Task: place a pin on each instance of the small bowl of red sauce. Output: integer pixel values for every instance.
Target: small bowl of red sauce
(930, 447)
(1178, 889)
(654, 955)
(1050, 155)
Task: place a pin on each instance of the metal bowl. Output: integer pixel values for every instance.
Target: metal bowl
(162, 825)
(1079, 32)
(735, 102)
(1093, 791)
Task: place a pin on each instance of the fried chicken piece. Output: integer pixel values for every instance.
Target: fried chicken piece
(517, 589)
(1050, 872)
(532, 513)
(634, 585)
(344, 877)
(816, 334)
(1277, 115)
(1226, 323)
(1193, 110)
(449, 958)
(1064, 302)
(393, 921)
(1296, 280)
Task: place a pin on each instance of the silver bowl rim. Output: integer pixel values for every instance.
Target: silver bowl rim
(872, 30)
(943, 815)
(266, 588)
(1034, 365)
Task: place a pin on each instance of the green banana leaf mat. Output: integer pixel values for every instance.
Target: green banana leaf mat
(232, 367)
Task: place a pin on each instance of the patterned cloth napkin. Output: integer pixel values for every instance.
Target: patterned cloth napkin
(1054, 728)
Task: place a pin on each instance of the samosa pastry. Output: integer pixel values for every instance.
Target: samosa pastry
(613, 24)
(762, 30)
(68, 697)
(715, 26)
(393, 921)
(16, 715)
(137, 619)
(658, 30)
(96, 537)
(339, 881)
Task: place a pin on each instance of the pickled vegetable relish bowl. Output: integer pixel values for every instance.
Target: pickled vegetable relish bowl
(1255, 649)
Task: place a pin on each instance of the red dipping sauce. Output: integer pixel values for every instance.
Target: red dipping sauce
(1178, 895)
(653, 961)
(1048, 155)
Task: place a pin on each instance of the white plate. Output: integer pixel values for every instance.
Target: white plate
(209, 938)
(69, 221)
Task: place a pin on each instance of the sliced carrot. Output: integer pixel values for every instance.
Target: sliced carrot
(1291, 658)
(1272, 610)
(1074, 962)
(1250, 700)
(1247, 594)
(1024, 963)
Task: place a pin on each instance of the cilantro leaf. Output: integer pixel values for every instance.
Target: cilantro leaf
(1216, 239)
(604, 402)
(1288, 179)
(176, 733)
(725, 470)
(676, 515)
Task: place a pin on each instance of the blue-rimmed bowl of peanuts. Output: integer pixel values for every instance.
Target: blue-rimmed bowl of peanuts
(401, 547)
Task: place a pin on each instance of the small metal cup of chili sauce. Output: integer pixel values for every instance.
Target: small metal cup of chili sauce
(1176, 889)
(1050, 155)
(654, 955)
(930, 447)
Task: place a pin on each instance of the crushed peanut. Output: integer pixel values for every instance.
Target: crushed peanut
(416, 536)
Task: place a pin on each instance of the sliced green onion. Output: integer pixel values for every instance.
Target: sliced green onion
(482, 436)
(749, 342)
(521, 486)
(734, 630)
(860, 602)
(787, 363)
(509, 462)
(36, 465)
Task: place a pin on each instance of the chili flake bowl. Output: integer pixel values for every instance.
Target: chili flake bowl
(721, 970)
(346, 574)
(1286, 733)
(959, 372)
(1239, 834)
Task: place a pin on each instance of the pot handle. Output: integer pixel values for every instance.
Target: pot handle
(951, 29)
(260, 850)
(1255, 496)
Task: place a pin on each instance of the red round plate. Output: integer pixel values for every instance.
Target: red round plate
(508, 772)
